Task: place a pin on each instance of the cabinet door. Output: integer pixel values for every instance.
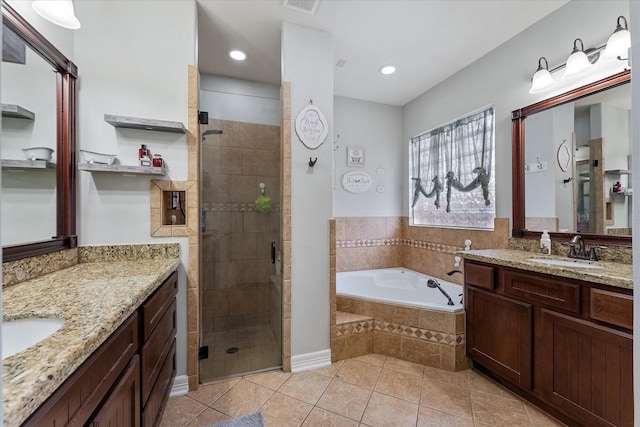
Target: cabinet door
(587, 370)
(122, 407)
(499, 335)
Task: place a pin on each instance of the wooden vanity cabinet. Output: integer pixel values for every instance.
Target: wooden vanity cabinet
(127, 380)
(563, 343)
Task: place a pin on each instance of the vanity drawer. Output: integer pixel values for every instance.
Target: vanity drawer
(479, 275)
(542, 289)
(156, 305)
(612, 307)
(160, 392)
(155, 350)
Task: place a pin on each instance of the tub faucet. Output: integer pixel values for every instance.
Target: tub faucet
(433, 283)
(452, 272)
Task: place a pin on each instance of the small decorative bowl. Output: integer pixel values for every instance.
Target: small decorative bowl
(38, 153)
(93, 157)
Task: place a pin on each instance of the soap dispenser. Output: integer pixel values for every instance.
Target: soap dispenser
(545, 242)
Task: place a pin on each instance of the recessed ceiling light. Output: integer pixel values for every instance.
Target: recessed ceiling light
(388, 69)
(238, 55)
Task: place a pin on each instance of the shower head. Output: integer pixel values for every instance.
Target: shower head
(432, 283)
(211, 132)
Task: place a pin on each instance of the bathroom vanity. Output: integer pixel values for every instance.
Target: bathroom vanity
(559, 336)
(113, 360)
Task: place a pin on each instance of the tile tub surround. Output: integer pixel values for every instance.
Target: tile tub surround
(428, 337)
(93, 299)
(354, 336)
(613, 274)
(364, 243)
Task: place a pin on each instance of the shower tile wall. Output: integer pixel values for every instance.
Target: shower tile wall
(237, 289)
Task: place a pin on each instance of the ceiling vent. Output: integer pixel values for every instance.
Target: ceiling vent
(305, 6)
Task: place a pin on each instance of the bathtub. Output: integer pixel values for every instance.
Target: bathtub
(399, 286)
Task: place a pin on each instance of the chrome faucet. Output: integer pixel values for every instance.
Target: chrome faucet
(581, 253)
(433, 283)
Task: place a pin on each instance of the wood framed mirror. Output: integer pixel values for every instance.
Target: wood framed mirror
(66, 74)
(521, 166)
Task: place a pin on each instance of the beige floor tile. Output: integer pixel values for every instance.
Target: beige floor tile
(447, 398)
(271, 379)
(404, 366)
(207, 417)
(345, 399)
(306, 386)
(460, 378)
(400, 385)
(209, 393)
(331, 370)
(479, 382)
(498, 411)
(372, 359)
(321, 418)
(180, 410)
(387, 411)
(428, 417)
(539, 418)
(242, 399)
(284, 411)
(359, 373)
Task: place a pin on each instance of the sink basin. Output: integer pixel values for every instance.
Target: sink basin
(20, 334)
(577, 263)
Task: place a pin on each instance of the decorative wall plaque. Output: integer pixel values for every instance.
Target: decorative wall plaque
(311, 126)
(356, 182)
(355, 156)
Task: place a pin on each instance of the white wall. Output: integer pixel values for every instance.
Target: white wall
(378, 129)
(537, 183)
(502, 78)
(227, 98)
(563, 125)
(132, 61)
(307, 62)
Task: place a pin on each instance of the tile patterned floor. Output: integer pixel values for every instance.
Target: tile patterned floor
(257, 350)
(371, 390)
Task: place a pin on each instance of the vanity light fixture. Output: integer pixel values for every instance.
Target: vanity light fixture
(577, 61)
(542, 79)
(60, 12)
(620, 41)
(617, 47)
(387, 69)
(238, 55)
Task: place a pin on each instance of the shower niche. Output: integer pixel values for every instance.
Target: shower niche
(173, 208)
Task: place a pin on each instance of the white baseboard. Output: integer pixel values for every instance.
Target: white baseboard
(304, 362)
(180, 386)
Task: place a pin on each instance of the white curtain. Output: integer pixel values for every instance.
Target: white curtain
(453, 173)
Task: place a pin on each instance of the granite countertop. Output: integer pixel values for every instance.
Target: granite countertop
(612, 274)
(94, 299)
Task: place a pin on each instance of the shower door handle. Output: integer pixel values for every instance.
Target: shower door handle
(273, 252)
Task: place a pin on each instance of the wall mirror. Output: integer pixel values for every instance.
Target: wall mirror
(572, 164)
(38, 142)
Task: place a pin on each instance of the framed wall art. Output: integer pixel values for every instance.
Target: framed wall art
(355, 157)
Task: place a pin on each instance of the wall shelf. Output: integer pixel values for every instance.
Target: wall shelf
(144, 124)
(123, 169)
(17, 112)
(618, 172)
(27, 164)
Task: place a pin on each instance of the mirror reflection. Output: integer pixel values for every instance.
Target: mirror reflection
(28, 95)
(578, 166)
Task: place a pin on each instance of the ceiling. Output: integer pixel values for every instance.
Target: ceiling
(427, 40)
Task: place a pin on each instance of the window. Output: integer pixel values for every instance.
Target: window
(452, 174)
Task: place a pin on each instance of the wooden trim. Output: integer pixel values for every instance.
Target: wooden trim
(66, 76)
(517, 172)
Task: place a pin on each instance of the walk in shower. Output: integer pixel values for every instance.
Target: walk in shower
(240, 290)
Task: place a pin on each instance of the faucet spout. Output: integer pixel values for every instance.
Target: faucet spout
(433, 283)
(576, 240)
(452, 272)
